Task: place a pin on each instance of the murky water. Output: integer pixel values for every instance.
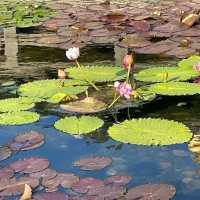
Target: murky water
(172, 164)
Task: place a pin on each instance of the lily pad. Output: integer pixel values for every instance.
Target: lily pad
(118, 180)
(175, 88)
(77, 126)
(97, 73)
(15, 104)
(6, 172)
(93, 163)
(150, 132)
(27, 141)
(87, 105)
(189, 62)
(18, 118)
(46, 89)
(51, 196)
(151, 191)
(5, 152)
(157, 74)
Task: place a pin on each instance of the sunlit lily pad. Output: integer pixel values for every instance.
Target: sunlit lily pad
(30, 165)
(18, 118)
(87, 105)
(97, 73)
(77, 126)
(151, 191)
(150, 132)
(189, 62)
(175, 88)
(15, 104)
(85, 184)
(93, 163)
(51, 196)
(27, 141)
(5, 152)
(45, 89)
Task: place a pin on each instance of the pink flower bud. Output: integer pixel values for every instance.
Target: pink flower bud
(73, 53)
(127, 61)
(197, 67)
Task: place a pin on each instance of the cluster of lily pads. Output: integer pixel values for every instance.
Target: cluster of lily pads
(23, 14)
(74, 93)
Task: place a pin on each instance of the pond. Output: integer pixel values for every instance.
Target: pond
(165, 162)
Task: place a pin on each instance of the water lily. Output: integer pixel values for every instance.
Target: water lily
(124, 89)
(73, 53)
(127, 61)
(197, 67)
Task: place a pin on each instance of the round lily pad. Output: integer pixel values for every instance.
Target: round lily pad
(15, 104)
(150, 132)
(18, 118)
(77, 126)
(93, 163)
(118, 180)
(151, 191)
(5, 152)
(51, 196)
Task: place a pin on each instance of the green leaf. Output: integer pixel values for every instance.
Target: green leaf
(15, 104)
(150, 132)
(45, 89)
(189, 62)
(18, 118)
(97, 73)
(157, 74)
(77, 126)
(175, 88)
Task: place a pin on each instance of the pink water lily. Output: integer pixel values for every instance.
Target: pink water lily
(127, 61)
(197, 67)
(124, 89)
(73, 53)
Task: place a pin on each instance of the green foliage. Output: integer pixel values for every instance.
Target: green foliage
(46, 89)
(189, 62)
(77, 126)
(97, 73)
(175, 88)
(23, 14)
(166, 74)
(150, 132)
(15, 104)
(18, 118)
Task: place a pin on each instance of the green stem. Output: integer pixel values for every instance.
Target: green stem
(129, 70)
(114, 101)
(77, 63)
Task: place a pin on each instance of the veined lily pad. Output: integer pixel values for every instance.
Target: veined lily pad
(150, 132)
(87, 105)
(15, 104)
(162, 74)
(189, 62)
(46, 89)
(77, 126)
(18, 118)
(175, 88)
(97, 73)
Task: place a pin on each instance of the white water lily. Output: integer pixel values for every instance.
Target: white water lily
(73, 53)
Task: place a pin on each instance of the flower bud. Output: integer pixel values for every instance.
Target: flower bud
(61, 74)
(73, 53)
(127, 61)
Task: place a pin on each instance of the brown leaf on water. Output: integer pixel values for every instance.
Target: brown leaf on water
(27, 193)
(118, 180)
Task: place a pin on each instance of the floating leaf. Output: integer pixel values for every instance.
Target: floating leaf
(27, 141)
(46, 89)
(175, 88)
(151, 191)
(5, 152)
(87, 105)
(150, 132)
(77, 126)
(157, 74)
(118, 180)
(27, 193)
(189, 62)
(51, 196)
(6, 172)
(93, 163)
(18, 118)
(15, 104)
(97, 73)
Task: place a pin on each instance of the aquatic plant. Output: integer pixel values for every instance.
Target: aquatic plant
(16, 104)
(150, 132)
(190, 62)
(78, 125)
(18, 118)
(175, 88)
(73, 53)
(124, 89)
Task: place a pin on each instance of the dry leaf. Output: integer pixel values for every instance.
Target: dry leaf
(27, 193)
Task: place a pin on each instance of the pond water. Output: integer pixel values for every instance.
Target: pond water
(170, 164)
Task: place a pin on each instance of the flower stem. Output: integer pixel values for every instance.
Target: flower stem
(114, 101)
(129, 70)
(77, 63)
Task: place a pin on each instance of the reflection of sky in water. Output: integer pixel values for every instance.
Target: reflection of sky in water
(171, 164)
